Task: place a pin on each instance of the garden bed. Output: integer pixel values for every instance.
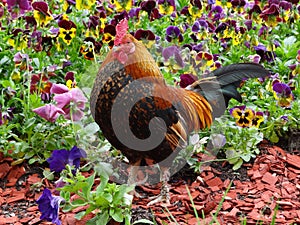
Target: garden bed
(260, 191)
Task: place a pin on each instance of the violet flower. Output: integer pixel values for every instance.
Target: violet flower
(48, 205)
(283, 94)
(60, 158)
(18, 7)
(49, 112)
(199, 26)
(264, 53)
(6, 115)
(173, 33)
(134, 12)
(173, 51)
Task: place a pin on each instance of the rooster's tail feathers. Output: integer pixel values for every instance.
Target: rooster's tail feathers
(221, 85)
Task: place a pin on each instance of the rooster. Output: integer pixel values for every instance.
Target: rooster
(146, 119)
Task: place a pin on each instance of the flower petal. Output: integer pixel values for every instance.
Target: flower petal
(59, 89)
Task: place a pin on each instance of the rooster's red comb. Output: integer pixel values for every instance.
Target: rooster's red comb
(121, 29)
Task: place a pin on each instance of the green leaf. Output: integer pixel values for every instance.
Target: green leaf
(289, 40)
(99, 219)
(238, 164)
(274, 138)
(29, 123)
(79, 202)
(4, 60)
(36, 62)
(79, 215)
(48, 174)
(102, 202)
(117, 214)
(86, 190)
(32, 160)
(246, 157)
(102, 185)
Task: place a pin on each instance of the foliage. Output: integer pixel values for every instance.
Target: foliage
(111, 200)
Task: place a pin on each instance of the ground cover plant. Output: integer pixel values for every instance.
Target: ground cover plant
(49, 56)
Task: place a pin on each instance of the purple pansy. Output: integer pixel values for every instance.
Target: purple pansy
(6, 115)
(173, 33)
(282, 89)
(199, 26)
(16, 7)
(283, 93)
(60, 158)
(134, 12)
(261, 50)
(49, 206)
(173, 51)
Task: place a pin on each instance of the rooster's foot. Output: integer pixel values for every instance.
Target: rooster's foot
(164, 196)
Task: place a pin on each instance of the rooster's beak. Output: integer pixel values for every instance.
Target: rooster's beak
(116, 48)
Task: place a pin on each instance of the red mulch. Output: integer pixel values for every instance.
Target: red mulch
(273, 180)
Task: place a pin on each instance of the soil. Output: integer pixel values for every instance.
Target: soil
(268, 183)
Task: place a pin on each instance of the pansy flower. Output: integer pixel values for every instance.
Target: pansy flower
(206, 58)
(166, 7)
(70, 80)
(173, 33)
(48, 205)
(6, 115)
(109, 35)
(265, 54)
(49, 112)
(283, 94)
(42, 13)
(134, 12)
(19, 40)
(122, 5)
(216, 13)
(90, 47)
(84, 4)
(147, 36)
(60, 158)
(195, 8)
(172, 57)
(186, 80)
(150, 7)
(41, 84)
(67, 30)
(93, 28)
(258, 119)
(18, 7)
(217, 141)
(21, 61)
(200, 28)
(242, 115)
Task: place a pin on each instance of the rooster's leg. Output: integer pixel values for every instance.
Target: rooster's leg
(133, 178)
(164, 191)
